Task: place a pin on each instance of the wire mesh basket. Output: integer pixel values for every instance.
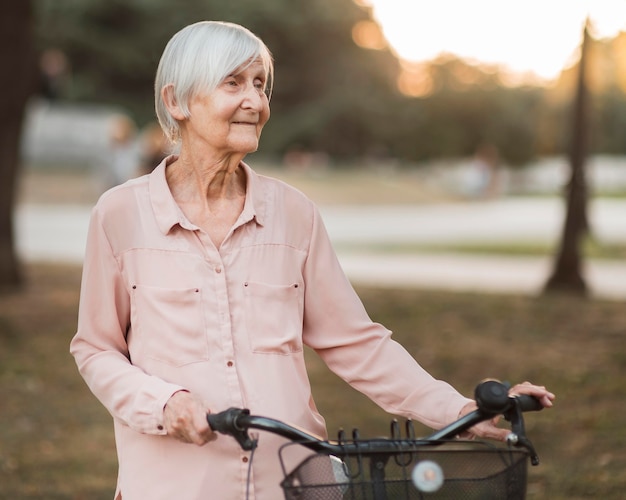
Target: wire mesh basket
(453, 470)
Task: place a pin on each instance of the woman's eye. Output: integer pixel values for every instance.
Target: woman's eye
(230, 82)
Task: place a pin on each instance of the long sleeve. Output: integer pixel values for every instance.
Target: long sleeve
(362, 352)
(99, 346)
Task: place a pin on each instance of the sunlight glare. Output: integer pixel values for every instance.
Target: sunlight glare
(367, 34)
(534, 37)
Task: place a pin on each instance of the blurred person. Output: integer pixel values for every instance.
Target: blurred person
(123, 155)
(202, 283)
(483, 179)
(54, 70)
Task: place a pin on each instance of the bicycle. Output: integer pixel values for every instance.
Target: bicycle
(437, 466)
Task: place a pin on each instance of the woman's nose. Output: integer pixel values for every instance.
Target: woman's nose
(253, 97)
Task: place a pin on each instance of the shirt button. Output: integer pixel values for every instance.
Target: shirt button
(160, 427)
(244, 460)
(218, 269)
(229, 364)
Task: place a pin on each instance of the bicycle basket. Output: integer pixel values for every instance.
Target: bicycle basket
(470, 470)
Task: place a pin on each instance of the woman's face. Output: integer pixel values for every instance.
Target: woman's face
(229, 119)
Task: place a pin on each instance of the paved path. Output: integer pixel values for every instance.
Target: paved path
(473, 273)
(57, 233)
(513, 219)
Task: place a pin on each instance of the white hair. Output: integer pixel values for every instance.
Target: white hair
(198, 58)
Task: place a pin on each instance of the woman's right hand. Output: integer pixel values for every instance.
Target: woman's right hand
(184, 417)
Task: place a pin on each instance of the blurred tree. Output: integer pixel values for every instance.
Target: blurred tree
(17, 59)
(608, 87)
(567, 273)
(609, 112)
(467, 106)
(331, 94)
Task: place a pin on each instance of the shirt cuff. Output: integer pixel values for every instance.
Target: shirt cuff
(159, 421)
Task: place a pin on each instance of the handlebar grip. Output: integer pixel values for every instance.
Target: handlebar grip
(528, 403)
(492, 396)
(234, 423)
(226, 421)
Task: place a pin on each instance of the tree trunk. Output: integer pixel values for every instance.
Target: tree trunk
(18, 62)
(567, 274)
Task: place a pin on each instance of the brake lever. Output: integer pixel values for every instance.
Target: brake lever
(518, 436)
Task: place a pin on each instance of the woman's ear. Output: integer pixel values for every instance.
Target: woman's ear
(169, 99)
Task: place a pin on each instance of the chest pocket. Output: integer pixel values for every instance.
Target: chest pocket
(274, 315)
(169, 324)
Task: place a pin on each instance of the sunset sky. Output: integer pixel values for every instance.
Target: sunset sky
(536, 36)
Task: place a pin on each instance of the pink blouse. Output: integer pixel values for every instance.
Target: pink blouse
(163, 309)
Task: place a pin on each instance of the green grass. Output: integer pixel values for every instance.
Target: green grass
(56, 440)
(591, 249)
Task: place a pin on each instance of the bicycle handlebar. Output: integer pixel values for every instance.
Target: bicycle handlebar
(491, 397)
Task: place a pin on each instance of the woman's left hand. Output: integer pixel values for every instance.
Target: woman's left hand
(490, 429)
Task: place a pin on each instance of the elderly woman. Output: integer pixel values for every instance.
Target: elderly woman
(203, 281)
